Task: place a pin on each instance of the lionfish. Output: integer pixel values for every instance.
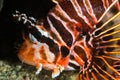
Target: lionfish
(79, 35)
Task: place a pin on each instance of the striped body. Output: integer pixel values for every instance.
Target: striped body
(76, 34)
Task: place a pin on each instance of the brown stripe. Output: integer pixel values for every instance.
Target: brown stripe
(46, 25)
(66, 36)
(69, 9)
(52, 45)
(105, 4)
(110, 1)
(98, 7)
(74, 66)
(81, 53)
(85, 13)
(118, 42)
(64, 51)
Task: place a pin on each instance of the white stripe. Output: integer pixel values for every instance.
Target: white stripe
(64, 24)
(70, 68)
(55, 31)
(76, 6)
(117, 5)
(32, 38)
(44, 33)
(61, 11)
(90, 9)
(105, 4)
(49, 55)
(74, 62)
(78, 43)
(72, 52)
(79, 11)
(107, 10)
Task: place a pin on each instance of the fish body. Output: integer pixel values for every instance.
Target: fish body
(79, 35)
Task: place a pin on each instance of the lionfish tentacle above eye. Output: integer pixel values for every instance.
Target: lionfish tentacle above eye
(76, 34)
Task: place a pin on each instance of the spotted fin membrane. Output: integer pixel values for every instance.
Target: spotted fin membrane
(79, 35)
